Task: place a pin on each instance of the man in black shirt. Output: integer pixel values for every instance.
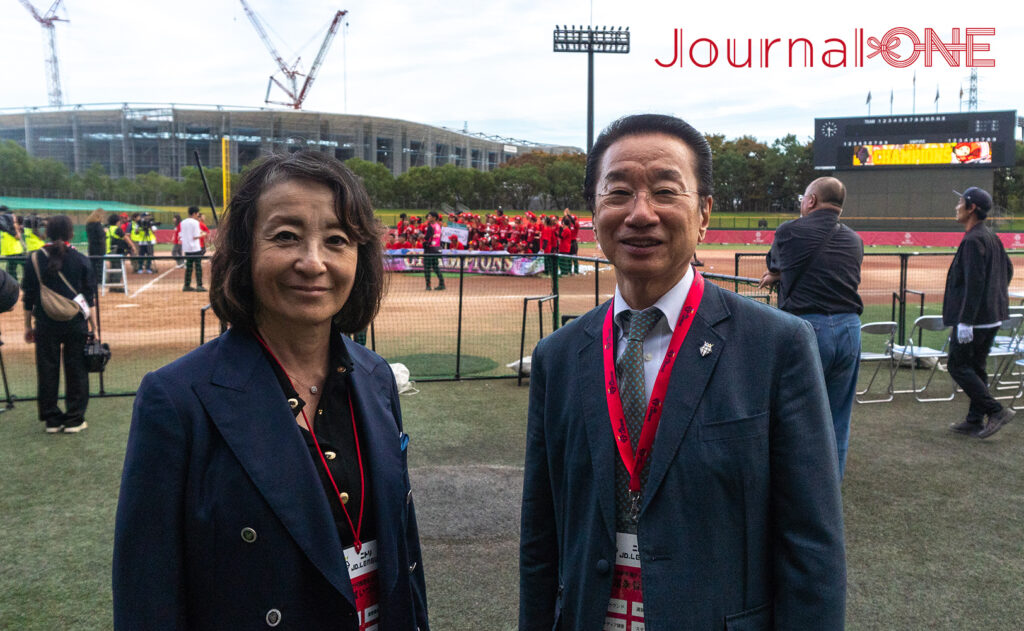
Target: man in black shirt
(976, 302)
(816, 261)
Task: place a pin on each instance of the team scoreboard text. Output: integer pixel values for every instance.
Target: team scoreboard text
(974, 139)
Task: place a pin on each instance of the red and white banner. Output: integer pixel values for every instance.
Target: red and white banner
(1011, 240)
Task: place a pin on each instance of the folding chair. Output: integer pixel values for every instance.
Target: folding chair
(916, 351)
(887, 330)
(1005, 349)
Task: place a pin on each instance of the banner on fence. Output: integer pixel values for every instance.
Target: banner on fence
(1011, 240)
(479, 263)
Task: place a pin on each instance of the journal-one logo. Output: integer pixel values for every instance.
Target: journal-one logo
(899, 47)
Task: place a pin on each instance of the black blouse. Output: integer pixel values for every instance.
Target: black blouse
(333, 425)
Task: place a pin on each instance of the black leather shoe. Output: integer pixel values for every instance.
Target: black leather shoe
(996, 422)
(968, 428)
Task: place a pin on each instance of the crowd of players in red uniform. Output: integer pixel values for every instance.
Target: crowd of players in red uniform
(527, 234)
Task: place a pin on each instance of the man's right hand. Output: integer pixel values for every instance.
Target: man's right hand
(769, 279)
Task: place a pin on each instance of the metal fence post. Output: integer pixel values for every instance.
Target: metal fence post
(554, 290)
(904, 260)
(458, 334)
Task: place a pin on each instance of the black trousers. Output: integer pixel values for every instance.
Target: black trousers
(51, 338)
(967, 367)
(431, 261)
(194, 260)
(146, 254)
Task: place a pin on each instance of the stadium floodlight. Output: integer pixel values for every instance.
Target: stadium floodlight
(590, 40)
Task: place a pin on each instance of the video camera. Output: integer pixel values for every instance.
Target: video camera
(147, 223)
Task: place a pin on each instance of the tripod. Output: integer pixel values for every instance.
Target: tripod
(3, 372)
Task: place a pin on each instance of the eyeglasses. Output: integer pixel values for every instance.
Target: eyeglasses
(663, 198)
(800, 198)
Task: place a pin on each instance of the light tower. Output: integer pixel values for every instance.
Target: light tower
(972, 98)
(590, 40)
(56, 96)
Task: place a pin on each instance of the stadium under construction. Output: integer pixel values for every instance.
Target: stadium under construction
(132, 139)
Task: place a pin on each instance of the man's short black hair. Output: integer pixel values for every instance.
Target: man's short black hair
(193, 210)
(638, 124)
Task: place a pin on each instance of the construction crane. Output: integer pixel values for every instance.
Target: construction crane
(291, 73)
(52, 68)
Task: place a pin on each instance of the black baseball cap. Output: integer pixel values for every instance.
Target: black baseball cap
(977, 196)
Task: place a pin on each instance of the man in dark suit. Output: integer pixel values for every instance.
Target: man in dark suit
(976, 302)
(703, 494)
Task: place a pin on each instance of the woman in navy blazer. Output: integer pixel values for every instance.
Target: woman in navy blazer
(266, 481)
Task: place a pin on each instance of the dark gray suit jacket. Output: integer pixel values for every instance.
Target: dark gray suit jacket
(214, 449)
(978, 280)
(741, 523)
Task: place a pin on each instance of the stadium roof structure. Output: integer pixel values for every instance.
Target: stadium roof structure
(131, 139)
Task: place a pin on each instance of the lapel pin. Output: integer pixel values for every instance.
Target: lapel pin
(705, 350)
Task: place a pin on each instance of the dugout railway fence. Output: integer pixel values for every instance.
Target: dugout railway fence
(472, 330)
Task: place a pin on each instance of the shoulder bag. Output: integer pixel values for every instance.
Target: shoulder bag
(57, 307)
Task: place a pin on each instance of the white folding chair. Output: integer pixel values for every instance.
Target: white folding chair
(886, 330)
(916, 351)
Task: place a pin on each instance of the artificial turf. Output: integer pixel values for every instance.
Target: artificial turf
(934, 521)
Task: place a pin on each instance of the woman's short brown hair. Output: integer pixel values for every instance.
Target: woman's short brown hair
(231, 288)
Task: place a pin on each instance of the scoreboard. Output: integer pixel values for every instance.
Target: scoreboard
(956, 141)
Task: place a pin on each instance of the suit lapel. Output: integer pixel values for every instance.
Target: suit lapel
(598, 424)
(382, 456)
(690, 377)
(246, 404)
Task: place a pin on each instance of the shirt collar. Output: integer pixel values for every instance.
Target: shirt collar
(339, 362)
(671, 303)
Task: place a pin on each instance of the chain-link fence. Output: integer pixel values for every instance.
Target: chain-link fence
(898, 287)
(494, 308)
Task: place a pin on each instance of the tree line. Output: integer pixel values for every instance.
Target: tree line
(749, 176)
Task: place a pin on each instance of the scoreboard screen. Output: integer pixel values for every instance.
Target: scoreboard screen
(974, 139)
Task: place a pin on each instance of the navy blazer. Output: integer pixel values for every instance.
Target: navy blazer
(213, 451)
(740, 525)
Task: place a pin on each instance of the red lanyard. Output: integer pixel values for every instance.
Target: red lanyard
(359, 455)
(635, 464)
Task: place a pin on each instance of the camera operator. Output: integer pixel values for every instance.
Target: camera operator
(118, 242)
(143, 236)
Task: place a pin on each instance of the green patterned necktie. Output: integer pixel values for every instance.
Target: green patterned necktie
(630, 369)
(632, 393)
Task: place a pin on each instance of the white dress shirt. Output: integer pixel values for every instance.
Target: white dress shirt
(657, 340)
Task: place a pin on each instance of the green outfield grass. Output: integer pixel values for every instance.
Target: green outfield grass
(933, 520)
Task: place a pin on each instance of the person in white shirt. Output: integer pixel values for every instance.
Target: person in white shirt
(191, 246)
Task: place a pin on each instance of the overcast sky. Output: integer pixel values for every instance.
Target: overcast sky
(490, 65)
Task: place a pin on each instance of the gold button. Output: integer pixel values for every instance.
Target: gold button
(248, 535)
(344, 498)
(294, 403)
(330, 455)
(341, 369)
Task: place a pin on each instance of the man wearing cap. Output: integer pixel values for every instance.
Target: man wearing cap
(975, 304)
